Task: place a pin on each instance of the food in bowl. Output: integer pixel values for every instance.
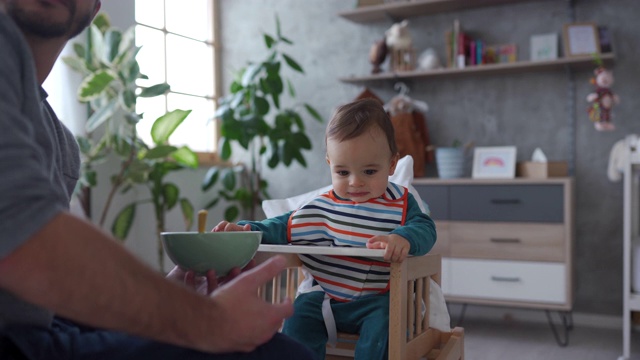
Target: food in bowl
(220, 251)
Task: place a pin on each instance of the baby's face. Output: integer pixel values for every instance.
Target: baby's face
(360, 167)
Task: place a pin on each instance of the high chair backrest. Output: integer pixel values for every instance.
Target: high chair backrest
(410, 336)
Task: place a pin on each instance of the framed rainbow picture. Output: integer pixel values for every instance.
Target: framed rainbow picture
(496, 162)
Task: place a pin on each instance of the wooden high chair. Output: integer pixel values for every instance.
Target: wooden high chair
(410, 337)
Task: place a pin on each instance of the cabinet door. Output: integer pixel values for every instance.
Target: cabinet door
(524, 203)
(437, 198)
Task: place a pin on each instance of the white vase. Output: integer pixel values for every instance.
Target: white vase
(450, 162)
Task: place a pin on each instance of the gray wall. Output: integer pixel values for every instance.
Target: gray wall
(528, 110)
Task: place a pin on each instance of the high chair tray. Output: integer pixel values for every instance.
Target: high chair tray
(322, 250)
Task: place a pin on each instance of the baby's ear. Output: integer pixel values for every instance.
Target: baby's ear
(394, 163)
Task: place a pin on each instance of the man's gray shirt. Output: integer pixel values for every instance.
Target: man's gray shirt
(39, 163)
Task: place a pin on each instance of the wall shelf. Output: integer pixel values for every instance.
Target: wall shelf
(581, 62)
(401, 10)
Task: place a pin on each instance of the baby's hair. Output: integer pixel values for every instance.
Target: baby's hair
(353, 119)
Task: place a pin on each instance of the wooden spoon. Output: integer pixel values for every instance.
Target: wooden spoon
(202, 220)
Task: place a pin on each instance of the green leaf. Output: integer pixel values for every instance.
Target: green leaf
(99, 117)
(212, 203)
(285, 40)
(155, 90)
(250, 74)
(187, 213)
(287, 153)
(91, 178)
(313, 112)
(160, 152)
(79, 50)
(301, 140)
(278, 28)
(84, 144)
(292, 90)
(261, 105)
(102, 22)
(123, 221)
(210, 178)
(225, 149)
(97, 43)
(185, 156)
(129, 99)
(229, 179)
(165, 125)
(231, 213)
(94, 84)
(292, 63)
(170, 193)
(76, 64)
(268, 40)
(112, 43)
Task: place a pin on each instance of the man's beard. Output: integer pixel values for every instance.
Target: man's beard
(42, 26)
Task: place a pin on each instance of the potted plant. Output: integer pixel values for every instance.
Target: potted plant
(109, 68)
(252, 117)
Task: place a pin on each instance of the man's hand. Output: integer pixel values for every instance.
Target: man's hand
(229, 226)
(207, 283)
(396, 247)
(243, 320)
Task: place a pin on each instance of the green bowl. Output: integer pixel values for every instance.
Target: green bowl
(220, 251)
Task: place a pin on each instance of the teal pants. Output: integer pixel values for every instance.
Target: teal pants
(368, 317)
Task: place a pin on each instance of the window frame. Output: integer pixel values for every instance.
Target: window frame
(205, 158)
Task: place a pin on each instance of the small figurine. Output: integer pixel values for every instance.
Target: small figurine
(602, 100)
(377, 54)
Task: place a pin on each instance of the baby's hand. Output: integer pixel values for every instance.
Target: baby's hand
(228, 226)
(396, 247)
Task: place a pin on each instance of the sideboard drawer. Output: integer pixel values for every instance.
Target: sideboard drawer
(437, 198)
(507, 241)
(507, 280)
(525, 203)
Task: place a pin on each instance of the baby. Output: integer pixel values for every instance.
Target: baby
(363, 209)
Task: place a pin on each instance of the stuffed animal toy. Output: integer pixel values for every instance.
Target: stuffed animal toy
(398, 37)
(602, 100)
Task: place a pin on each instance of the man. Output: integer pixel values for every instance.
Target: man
(54, 263)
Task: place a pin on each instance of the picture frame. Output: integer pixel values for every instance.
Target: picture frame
(544, 47)
(495, 162)
(580, 39)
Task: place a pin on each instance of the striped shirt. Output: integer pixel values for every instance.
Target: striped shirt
(330, 221)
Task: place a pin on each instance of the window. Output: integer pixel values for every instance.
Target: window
(179, 47)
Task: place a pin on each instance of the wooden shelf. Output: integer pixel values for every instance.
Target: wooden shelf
(406, 9)
(581, 62)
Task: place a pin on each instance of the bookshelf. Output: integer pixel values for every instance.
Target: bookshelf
(581, 62)
(406, 9)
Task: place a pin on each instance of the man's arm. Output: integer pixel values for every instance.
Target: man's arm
(76, 270)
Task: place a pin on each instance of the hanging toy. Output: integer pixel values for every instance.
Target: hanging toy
(602, 100)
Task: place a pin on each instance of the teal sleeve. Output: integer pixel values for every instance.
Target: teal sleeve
(419, 229)
(274, 230)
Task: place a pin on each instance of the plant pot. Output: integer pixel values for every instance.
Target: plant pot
(450, 162)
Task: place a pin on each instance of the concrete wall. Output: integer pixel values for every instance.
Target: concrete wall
(528, 110)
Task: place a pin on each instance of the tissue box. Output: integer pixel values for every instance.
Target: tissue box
(540, 170)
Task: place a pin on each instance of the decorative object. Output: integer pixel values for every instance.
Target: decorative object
(602, 100)
(544, 47)
(377, 55)
(542, 170)
(110, 70)
(251, 117)
(400, 47)
(498, 162)
(450, 162)
(580, 39)
(428, 60)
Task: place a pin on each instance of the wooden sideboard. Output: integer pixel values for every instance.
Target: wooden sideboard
(504, 242)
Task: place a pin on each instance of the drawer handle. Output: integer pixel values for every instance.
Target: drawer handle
(505, 278)
(505, 201)
(505, 240)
